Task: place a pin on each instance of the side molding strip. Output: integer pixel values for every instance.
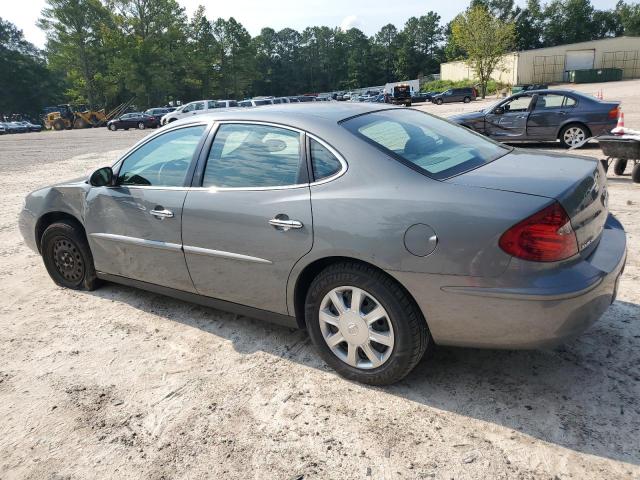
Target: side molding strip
(222, 254)
(137, 241)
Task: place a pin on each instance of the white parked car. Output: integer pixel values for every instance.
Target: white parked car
(255, 102)
(195, 108)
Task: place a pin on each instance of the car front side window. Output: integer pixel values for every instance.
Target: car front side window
(163, 161)
(250, 156)
(520, 104)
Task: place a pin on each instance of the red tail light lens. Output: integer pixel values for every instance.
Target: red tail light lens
(614, 112)
(546, 236)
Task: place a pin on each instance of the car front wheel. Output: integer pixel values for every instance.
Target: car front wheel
(112, 127)
(619, 166)
(467, 99)
(67, 256)
(439, 101)
(364, 325)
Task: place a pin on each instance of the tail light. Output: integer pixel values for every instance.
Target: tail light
(614, 112)
(546, 236)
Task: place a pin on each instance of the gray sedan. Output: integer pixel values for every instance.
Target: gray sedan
(543, 116)
(381, 230)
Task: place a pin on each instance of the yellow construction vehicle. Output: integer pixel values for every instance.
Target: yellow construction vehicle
(66, 117)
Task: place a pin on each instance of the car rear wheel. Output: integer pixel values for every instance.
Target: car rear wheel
(619, 166)
(635, 173)
(574, 136)
(466, 100)
(141, 126)
(364, 325)
(67, 257)
(439, 101)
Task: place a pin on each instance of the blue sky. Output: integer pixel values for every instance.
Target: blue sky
(368, 15)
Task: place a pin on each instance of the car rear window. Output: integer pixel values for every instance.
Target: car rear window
(425, 143)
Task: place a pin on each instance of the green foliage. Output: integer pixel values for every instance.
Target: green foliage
(485, 38)
(26, 83)
(104, 52)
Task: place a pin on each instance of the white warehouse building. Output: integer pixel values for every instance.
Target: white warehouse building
(552, 64)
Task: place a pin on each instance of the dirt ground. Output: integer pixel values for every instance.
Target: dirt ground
(119, 383)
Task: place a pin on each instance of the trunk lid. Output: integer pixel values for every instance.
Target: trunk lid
(577, 183)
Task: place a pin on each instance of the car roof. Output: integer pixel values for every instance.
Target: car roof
(309, 112)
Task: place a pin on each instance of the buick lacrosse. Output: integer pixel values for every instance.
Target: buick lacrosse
(381, 230)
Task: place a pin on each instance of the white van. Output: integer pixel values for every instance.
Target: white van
(195, 108)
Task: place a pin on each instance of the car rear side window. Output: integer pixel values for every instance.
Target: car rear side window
(549, 101)
(163, 161)
(324, 162)
(425, 143)
(250, 156)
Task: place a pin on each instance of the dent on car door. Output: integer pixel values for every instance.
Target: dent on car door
(134, 227)
(509, 119)
(250, 220)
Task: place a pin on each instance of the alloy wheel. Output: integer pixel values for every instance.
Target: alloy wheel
(356, 327)
(574, 136)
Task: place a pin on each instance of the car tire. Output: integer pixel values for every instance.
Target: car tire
(58, 125)
(573, 131)
(141, 126)
(619, 166)
(466, 100)
(439, 101)
(402, 326)
(67, 256)
(113, 128)
(635, 173)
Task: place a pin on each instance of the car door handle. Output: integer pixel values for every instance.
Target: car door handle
(283, 222)
(160, 212)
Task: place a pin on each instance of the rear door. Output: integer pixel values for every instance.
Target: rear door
(509, 120)
(549, 112)
(247, 220)
(134, 227)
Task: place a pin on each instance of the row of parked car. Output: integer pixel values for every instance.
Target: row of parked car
(22, 126)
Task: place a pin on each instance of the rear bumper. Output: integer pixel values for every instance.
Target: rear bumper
(522, 308)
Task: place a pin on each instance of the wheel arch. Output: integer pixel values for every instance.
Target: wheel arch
(309, 272)
(51, 217)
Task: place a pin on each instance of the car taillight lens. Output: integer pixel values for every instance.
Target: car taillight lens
(614, 112)
(546, 236)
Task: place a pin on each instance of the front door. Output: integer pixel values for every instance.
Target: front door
(134, 227)
(508, 121)
(250, 221)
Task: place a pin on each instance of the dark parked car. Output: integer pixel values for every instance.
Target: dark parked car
(452, 95)
(420, 97)
(544, 115)
(15, 127)
(158, 113)
(31, 127)
(137, 120)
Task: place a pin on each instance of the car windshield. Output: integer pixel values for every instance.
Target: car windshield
(430, 145)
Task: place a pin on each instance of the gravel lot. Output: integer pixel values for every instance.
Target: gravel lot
(119, 383)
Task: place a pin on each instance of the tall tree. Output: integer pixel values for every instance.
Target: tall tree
(385, 44)
(74, 43)
(26, 83)
(237, 55)
(629, 15)
(202, 51)
(485, 38)
(529, 26)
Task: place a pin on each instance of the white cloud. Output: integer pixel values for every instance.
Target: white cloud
(350, 21)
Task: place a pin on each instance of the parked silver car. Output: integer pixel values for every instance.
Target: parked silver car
(379, 229)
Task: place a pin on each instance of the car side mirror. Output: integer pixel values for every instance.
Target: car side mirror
(498, 110)
(101, 177)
